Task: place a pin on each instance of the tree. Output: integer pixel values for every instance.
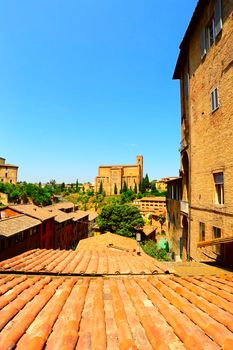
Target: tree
(161, 219)
(146, 182)
(115, 189)
(100, 188)
(125, 188)
(120, 219)
(135, 188)
(77, 186)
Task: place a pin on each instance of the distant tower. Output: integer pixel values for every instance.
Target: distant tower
(139, 161)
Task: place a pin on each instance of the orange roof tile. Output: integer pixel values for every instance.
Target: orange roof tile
(33, 210)
(164, 312)
(107, 239)
(15, 224)
(84, 261)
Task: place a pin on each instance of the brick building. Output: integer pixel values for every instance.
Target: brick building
(113, 177)
(156, 205)
(205, 71)
(46, 232)
(8, 172)
(18, 233)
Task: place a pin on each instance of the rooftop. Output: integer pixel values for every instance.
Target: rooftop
(16, 224)
(164, 312)
(108, 239)
(64, 205)
(91, 261)
(34, 211)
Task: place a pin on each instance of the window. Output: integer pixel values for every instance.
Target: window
(219, 188)
(214, 100)
(201, 231)
(210, 31)
(216, 232)
(217, 17)
(203, 42)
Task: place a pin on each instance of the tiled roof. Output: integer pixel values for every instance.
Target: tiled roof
(108, 239)
(33, 210)
(116, 313)
(83, 261)
(79, 214)
(16, 224)
(60, 215)
(92, 215)
(64, 205)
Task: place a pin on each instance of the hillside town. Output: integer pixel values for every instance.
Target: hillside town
(128, 262)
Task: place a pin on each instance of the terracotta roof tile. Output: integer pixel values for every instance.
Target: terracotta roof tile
(15, 224)
(84, 261)
(155, 312)
(33, 210)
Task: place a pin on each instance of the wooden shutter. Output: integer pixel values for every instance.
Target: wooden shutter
(218, 17)
(203, 42)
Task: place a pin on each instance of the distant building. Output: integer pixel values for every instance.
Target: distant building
(113, 177)
(205, 70)
(8, 172)
(156, 205)
(161, 185)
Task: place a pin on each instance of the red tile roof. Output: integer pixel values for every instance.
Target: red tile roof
(164, 312)
(83, 261)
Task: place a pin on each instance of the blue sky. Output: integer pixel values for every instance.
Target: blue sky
(87, 82)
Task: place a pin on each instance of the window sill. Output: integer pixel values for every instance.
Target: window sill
(214, 110)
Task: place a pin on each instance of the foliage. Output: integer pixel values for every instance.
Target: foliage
(135, 188)
(115, 189)
(100, 188)
(125, 188)
(151, 248)
(120, 219)
(161, 219)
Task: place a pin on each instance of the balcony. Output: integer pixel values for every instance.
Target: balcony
(184, 207)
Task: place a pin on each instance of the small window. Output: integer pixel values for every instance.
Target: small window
(214, 100)
(203, 42)
(210, 31)
(216, 232)
(219, 188)
(201, 231)
(217, 17)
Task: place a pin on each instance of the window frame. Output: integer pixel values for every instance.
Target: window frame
(218, 189)
(217, 230)
(214, 96)
(201, 231)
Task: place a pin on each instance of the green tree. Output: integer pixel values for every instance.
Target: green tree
(115, 189)
(120, 219)
(146, 182)
(161, 219)
(125, 188)
(100, 188)
(135, 188)
(77, 186)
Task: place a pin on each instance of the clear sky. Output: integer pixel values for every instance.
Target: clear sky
(89, 82)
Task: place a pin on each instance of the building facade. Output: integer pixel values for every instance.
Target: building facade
(205, 71)
(8, 172)
(113, 177)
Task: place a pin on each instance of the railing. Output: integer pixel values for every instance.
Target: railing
(184, 207)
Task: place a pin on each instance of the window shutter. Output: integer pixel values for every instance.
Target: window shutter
(218, 17)
(203, 43)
